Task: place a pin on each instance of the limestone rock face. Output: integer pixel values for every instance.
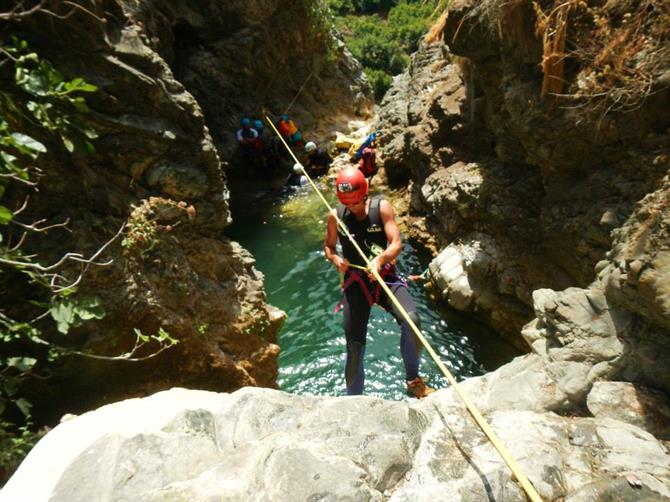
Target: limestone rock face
(262, 444)
(533, 195)
(637, 274)
(434, 137)
(421, 109)
(632, 404)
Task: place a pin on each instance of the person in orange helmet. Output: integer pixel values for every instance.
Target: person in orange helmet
(372, 224)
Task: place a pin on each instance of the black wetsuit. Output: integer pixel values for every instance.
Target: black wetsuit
(360, 293)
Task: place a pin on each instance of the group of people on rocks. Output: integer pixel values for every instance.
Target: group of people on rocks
(257, 145)
(316, 163)
(254, 141)
(267, 148)
(251, 134)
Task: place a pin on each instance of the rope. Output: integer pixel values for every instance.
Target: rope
(476, 415)
(298, 93)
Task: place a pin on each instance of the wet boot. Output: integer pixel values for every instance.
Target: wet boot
(418, 388)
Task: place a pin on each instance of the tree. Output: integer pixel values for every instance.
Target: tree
(408, 22)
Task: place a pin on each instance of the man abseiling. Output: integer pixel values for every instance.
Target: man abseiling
(372, 224)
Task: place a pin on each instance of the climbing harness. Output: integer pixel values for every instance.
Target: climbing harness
(374, 235)
(474, 411)
(356, 276)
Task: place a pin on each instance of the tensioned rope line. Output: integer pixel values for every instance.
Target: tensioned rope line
(298, 93)
(476, 415)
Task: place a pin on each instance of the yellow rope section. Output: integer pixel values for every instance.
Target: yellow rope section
(476, 415)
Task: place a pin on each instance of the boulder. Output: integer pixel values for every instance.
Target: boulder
(633, 404)
(181, 445)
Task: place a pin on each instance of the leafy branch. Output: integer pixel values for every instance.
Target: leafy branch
(49, 274)
(22, 10)
(163, 338)
(40, 107)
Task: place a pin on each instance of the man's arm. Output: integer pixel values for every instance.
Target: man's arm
(392, 236)
(329, 243)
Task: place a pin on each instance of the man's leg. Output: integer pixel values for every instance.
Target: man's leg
(356, 314)
(410, 347)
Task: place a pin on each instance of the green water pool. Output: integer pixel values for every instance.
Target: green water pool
(285, 233)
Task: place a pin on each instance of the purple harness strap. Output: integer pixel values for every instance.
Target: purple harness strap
(357, 276)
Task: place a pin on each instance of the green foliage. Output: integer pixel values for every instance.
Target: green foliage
(13, 370)
(344, 7)
(202, 328)
(162, 337)
(374, 45)
(315, 22)
(42, 101)
(47, 100)
(72, 312)
(142, 232)
(341, 7)
(408, 22)
(15, 443)
(10, 166)
(258, 325)
(39, 109)
(380, 82)
(383, 38)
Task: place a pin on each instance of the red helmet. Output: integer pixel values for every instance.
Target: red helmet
(351, 186)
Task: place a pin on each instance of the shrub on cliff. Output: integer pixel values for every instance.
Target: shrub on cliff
(382, 33)
(599, 56)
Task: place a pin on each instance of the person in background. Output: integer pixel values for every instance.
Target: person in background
(268, 146)
(246, 135)
(318, 160)
(296, 178)
(258, 125)
(368, 161)
(261, 141)
(372, 224)
(289, 131)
